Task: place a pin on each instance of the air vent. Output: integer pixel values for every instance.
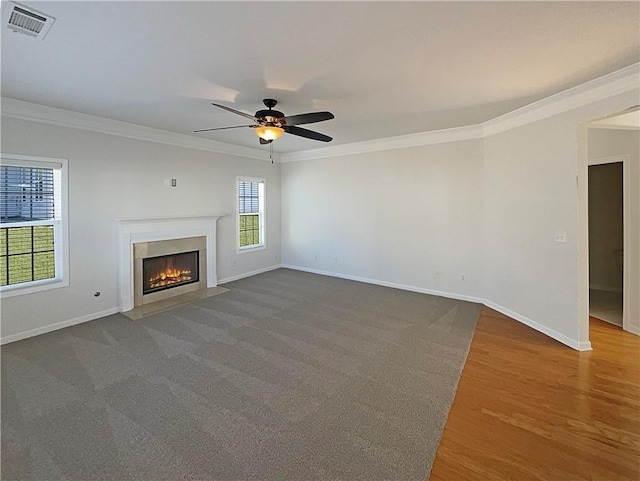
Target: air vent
(26, 20)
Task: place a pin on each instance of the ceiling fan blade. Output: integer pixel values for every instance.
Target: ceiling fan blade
(309, 118)
(264, 142)
(249, 116)
(309, 134)
(224, 128)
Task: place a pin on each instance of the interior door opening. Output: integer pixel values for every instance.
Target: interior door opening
(606, 242)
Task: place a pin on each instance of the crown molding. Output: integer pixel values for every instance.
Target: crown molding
(22, 110)
(388, 143)
(620, 81)
(614, 83)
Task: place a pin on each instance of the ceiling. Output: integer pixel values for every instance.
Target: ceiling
(383, 68)
(629, 120)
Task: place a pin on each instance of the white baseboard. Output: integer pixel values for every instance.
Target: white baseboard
(633, 330)
(57, 325)
(248, 274)
(90, 317)
(404, 287)
(572, 343)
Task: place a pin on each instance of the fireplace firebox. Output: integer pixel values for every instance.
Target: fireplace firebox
(169, 271)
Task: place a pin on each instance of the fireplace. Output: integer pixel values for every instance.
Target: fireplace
(169, 271)
(139, 231)
(168, 268)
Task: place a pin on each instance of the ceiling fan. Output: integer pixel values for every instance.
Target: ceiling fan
(271, 124)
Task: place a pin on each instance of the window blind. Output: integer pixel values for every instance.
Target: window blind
(26, 194)
(248, 197)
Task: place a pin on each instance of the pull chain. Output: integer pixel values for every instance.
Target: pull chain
(271, 151)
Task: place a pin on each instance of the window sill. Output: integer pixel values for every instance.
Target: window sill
(244, 250)
(32, 287)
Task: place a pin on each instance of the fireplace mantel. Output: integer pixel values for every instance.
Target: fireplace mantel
(131, 231)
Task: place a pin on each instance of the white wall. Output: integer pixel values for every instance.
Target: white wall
(531, 193)
(487, 208)
(604, 143)
(531, 176)
(394, 216)
(112, 177)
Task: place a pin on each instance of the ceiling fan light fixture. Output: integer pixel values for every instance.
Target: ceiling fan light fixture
(269, 133)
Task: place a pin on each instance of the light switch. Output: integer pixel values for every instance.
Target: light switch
(560, 237)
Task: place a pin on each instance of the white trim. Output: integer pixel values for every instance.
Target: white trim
(609, 85)
(58, 325)
(611, 159)
(19, 109)
(572, 343)
(579, 346)
(61, 239)
(628, 119)
(262, 214)
(613, 127)
(131, 231)
(249, 274)
(583, 231)
(388, 143)
(404, 287)
(614, 83)
(625, 159)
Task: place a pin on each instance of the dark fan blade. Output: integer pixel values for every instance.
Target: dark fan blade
(309, 134)
(249, 116)
(224, 128)
(264, 142)
(308, 118)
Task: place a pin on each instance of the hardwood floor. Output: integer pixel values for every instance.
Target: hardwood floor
(530, 408)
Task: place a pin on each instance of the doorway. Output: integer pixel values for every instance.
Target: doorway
(613, 139)
(606, 239)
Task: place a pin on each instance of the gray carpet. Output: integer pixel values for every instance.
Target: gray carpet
(289, 375)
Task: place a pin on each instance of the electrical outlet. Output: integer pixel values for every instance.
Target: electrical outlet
(464, 277)
(315, 258)
(232, 262)
(436, 274)
(335, 260)
(560, 237)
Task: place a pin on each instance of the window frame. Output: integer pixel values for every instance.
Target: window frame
(61, 226)
(262, 207)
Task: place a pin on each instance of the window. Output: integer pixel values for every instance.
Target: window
(33, 254)
(250, 213)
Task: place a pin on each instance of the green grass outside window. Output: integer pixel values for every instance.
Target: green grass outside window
(26, 254)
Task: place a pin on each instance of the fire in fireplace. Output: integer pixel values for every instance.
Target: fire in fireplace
(173, 270)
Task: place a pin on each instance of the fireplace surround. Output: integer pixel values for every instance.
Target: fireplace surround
(134, 231)
(168, 268)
